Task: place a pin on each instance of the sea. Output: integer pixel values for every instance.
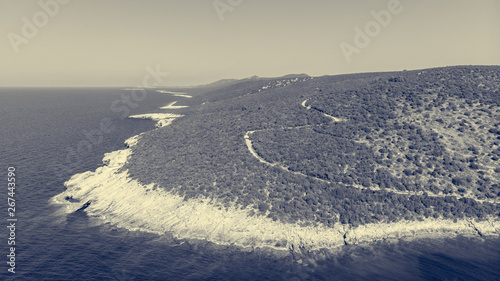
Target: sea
(44, 136)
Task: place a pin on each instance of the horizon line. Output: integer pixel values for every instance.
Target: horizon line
(265, 77)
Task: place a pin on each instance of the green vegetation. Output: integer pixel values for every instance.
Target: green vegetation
(410, 145)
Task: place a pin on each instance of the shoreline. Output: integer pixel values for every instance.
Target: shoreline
(175, 94)
(161, 119)
(114, 197)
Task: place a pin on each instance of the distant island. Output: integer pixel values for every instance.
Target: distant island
(302, 163)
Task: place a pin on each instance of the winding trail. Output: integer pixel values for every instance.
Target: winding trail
(304, 105)
(252, 150)
(334, 119)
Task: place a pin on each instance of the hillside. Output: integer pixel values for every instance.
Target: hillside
(354, 149)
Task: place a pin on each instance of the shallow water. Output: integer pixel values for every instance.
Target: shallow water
(39, 127)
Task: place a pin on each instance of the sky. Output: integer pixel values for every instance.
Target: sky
(112, 43)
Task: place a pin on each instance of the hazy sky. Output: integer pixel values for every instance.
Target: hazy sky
(111, 42)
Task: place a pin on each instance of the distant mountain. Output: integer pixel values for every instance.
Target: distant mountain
(288, 76)
(219, 83)
(302, 75)
(227, 82)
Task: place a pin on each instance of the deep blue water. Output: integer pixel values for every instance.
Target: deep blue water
(43, 127)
